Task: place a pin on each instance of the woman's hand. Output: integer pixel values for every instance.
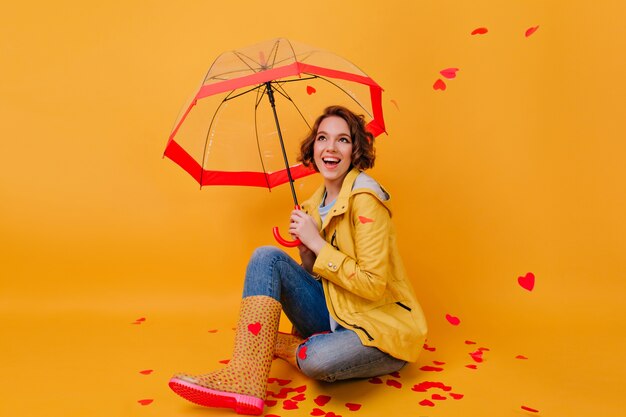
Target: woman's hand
(307, 257)
(304, 227)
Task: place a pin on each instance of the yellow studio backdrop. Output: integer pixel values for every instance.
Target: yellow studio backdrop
(113, 262)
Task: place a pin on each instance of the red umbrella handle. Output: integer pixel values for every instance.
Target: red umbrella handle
(283, 241)
(286, 243)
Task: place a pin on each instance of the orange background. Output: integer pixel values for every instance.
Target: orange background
(517, 167)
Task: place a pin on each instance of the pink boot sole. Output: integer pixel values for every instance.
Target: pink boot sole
(242, 404)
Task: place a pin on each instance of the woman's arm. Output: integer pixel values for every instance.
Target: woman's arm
(365, 276)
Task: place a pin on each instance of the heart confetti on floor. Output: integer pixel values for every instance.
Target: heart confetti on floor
(427, 403)
(353, 407)
(321, 400)
(455, 321)
(394, 383)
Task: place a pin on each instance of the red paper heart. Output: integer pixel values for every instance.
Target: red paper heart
(449, 73)
(484, 349)
(318, 412)
(469, 342)
(426, 385)
(428, 368)
(480, 31)
(225, 361)
(146, 372)
(471, 366)
(254, 328)
(322, 400)
(299, 397)
(141, 319)
(353, 407)
(521, 357)
(395, 374)
(310, 90)
(375, 380)
(477, 356)
(331, 414)
(302, 352)
(428, 348)
(438, 397)
(440, 385)
(301, 388)
(280, 382)
(456, 396)
(439, 363)
(531, 30)
(290, 405)
(455, 321)
(532, 410)
(364, 220)
(145, 402)
(439, 85)
(394, 383)
(427, 403)
(213, 331)
(270, 403)
(281, 395)
(527, 282)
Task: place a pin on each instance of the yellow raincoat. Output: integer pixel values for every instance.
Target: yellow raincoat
(365, 284)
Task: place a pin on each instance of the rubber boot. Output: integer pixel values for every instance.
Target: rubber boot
(242, 384)
(286, 347)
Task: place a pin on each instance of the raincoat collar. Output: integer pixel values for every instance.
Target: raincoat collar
(341, 204)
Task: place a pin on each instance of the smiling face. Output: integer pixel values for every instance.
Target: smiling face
(332, 151)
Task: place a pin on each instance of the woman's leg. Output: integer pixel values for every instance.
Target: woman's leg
(274, 273)
(341, 355)
(242, 384)
(272, 278)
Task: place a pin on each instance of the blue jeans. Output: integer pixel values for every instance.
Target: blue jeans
(329, 356)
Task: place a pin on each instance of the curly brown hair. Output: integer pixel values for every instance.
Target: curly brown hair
(363, 152)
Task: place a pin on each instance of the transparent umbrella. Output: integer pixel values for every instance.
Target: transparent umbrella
(230, 132)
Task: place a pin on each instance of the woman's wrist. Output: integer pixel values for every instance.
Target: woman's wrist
(317, 245)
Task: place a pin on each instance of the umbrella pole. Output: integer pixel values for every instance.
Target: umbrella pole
(270, 95)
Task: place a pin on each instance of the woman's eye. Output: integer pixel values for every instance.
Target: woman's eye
(321, 137)
(345, 140)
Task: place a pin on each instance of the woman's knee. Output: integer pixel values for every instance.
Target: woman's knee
(268, 251)
(315, 365)
(339, 356)
(265, 254)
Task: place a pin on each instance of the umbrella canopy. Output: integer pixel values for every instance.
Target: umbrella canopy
(229, 133)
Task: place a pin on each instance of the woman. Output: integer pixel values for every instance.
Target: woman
(354, 312)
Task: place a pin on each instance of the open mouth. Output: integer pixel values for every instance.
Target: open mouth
(330, 161)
